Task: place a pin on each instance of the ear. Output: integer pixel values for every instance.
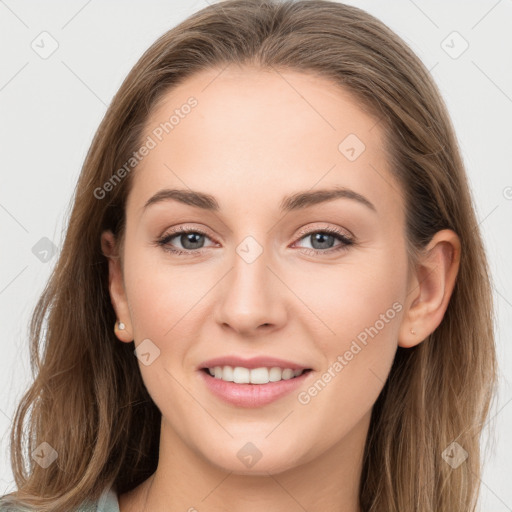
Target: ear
(110, 249)
(430, 288)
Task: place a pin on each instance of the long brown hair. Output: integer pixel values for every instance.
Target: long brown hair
(88, 400)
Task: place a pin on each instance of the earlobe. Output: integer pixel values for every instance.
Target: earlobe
(122, 327)
(431, 288)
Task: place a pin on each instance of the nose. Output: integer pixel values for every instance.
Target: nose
(251, 298)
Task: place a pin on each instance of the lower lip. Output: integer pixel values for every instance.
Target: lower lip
(252, 395)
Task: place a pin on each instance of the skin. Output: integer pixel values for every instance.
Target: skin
(254, 138)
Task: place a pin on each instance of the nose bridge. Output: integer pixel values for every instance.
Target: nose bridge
(250, 280)
(250, 296)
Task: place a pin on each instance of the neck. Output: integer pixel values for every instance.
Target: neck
(186, 481)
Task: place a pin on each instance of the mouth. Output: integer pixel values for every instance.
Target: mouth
(257, 376)
(252, 387)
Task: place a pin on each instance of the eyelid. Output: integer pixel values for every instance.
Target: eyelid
(331, 229)
(307, 230)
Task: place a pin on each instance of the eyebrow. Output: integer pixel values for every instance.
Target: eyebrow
(290, 203)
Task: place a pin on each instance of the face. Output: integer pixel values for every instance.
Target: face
(254, 270)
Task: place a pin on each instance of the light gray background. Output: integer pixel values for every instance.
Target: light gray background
(50, 109)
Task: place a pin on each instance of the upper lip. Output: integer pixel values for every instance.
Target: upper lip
(253, 362)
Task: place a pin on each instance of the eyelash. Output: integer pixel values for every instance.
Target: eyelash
(346, 241)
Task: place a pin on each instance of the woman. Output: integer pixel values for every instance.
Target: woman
(352, 373)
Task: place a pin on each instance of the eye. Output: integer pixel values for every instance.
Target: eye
(322, 241)
(191, 241)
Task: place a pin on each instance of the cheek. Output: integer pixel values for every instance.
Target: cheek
(360, 308)
(353, 302)
(356, 358)
(159, 293)
(364, 311)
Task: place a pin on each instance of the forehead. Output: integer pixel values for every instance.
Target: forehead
(244, 131)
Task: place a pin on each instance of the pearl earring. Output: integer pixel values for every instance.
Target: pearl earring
(120, 326)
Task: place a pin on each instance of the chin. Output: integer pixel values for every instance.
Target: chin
(247, 459)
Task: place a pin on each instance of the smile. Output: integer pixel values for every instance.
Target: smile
(247, 394)
(263, 375)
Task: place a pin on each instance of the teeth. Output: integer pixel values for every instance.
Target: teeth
(241, 375)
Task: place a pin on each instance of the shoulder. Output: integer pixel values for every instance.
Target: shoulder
(107, 502)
